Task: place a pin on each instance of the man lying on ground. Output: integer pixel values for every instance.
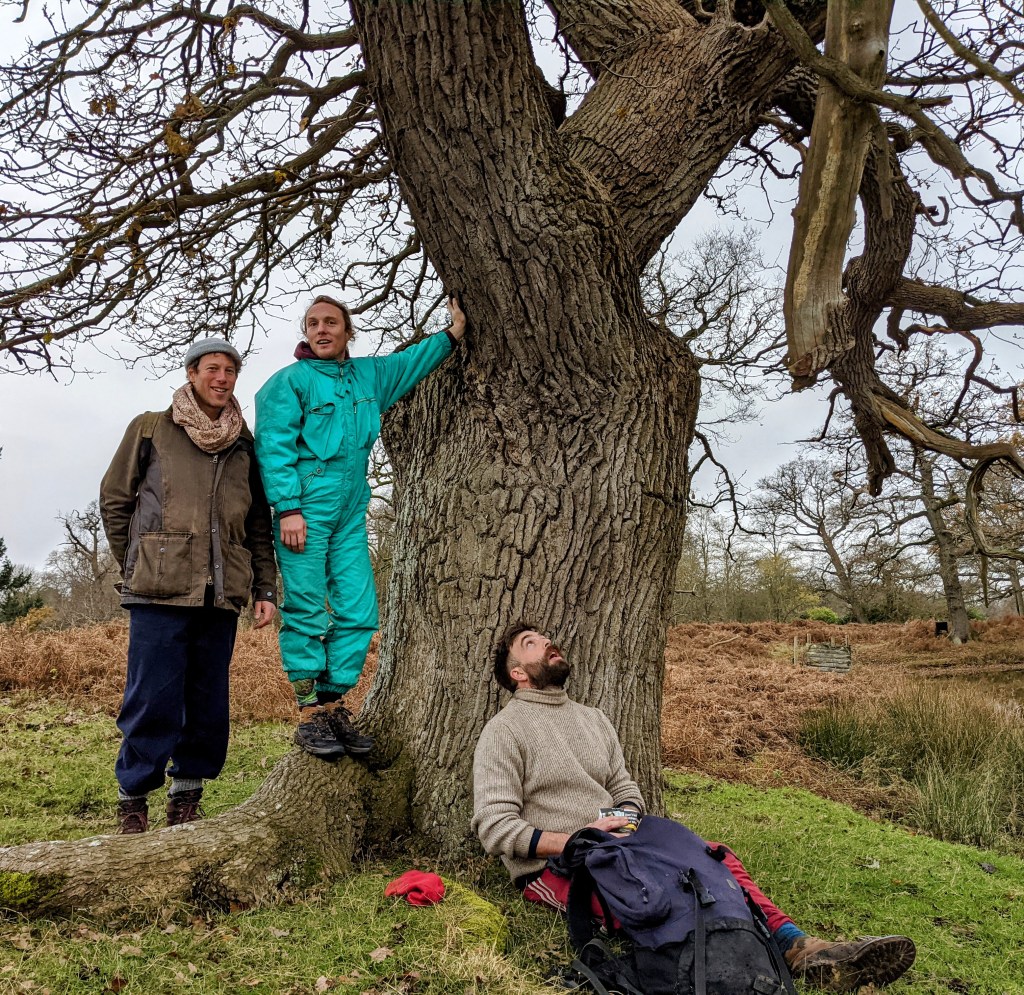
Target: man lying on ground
(546, 764)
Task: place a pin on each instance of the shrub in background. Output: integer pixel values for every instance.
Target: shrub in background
(822, 614)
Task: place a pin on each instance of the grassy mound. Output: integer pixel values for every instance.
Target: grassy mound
(958, 749)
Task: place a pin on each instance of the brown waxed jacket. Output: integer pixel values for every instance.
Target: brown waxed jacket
(187, 518)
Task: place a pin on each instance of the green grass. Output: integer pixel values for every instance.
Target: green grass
(57, 771)
(350, 938)
(961, 751)
(837, 873)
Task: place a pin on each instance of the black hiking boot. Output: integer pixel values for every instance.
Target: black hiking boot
(355, 743)
(315, 735)
(132, 816)
(183, 806)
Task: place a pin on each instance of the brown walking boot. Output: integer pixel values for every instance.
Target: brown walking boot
(132, 816)
(844, 967)
(183, 806)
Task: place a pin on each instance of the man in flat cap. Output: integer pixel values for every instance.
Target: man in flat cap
(185, 515)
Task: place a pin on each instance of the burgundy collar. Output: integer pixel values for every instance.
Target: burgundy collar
(304, 351)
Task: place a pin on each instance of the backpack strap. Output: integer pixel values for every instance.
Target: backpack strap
(702, 898)
(771, 944)
(594, 953)
(578, 908)
(592, 979)
(149, 422)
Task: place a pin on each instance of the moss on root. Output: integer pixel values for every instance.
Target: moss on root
(28, 893)
(480, 921)
(305, 871)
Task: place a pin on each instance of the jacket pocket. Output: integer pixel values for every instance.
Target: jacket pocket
(366, 416)
(237, 573)
(163, 567)
(318, 430)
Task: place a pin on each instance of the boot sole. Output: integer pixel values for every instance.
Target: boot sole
(359, 751)
(324, 753)
(879, 961)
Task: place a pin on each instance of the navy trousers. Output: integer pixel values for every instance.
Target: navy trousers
(176, 696)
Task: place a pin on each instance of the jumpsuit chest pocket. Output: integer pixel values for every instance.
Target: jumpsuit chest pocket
(366, 421)
(318, 430)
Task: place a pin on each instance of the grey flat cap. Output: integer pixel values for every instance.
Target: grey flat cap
(204, 347)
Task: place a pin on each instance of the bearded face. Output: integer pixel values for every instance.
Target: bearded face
(550, 672)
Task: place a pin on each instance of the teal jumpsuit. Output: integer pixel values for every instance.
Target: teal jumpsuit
(316, 422)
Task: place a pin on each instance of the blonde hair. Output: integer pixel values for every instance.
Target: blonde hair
(325, 299)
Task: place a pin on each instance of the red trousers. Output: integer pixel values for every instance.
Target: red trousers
(552, 889)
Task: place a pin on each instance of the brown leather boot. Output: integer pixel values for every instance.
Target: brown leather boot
(844, 967)
(184, 806)
(132, 816)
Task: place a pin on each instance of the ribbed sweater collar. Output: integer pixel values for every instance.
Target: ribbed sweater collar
(549, 696)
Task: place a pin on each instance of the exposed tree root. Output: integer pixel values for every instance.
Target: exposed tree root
(304, 824)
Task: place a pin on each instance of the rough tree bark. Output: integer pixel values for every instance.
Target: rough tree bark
(543, 474)
(303, 824)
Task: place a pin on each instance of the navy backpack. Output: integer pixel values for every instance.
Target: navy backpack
(686, 927)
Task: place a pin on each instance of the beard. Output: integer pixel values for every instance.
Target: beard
(553, 672)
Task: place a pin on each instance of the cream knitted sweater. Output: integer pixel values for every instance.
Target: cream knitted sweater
(544, 762)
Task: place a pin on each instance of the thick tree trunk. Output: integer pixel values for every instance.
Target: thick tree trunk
(530, 507)
(542, 473)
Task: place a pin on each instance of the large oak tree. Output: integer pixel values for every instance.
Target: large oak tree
(170, 164)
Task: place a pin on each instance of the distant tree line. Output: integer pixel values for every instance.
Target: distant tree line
(76, 587)
(808, 544)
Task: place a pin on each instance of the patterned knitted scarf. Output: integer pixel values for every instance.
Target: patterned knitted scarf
(210, 436)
